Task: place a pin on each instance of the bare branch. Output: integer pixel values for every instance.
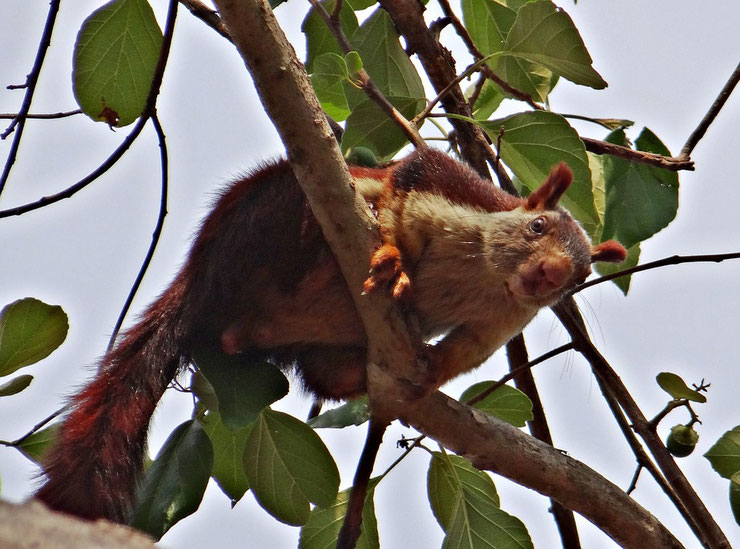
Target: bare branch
(46, 116)
(149, 110)
(703, 126)
(673, 164)
(30, 85)
(672, 260)
(208, 16)
(155, 234)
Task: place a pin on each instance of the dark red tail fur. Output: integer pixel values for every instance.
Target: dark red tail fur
(93, 469)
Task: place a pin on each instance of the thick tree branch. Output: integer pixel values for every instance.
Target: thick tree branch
(496, 446)
(289, 100)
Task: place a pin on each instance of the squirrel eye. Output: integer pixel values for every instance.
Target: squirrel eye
(538, 225)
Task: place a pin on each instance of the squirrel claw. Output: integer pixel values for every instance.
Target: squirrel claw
(386, 267)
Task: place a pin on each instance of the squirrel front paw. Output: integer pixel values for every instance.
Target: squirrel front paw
(386, 268)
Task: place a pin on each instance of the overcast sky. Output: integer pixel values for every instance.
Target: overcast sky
(664, 60)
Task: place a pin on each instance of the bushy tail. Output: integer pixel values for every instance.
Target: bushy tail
(93, 470)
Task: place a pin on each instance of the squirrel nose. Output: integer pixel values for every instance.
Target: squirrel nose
(555, 270)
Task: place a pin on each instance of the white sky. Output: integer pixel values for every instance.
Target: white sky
(664, 61)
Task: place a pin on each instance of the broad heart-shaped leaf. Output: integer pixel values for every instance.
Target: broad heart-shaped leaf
(384, 60)
(466, 505)
(676, 387)
(243, 388)
(174, 484)
(735, 496)
(329, 78)
(533, 143)
(29, 331)
(506, 403)
(15, 385)
(319, 39)
(545, 34)
(228, 455)
(35, 446)
(725, 454)
(489, 23)
(354, 412)
(322, 529)
(288, 466)
(640, 200)
(114, 61)
(368, 126)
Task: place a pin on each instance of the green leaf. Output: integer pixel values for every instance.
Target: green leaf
(623, 282)
(29, 331)
(354, 412)
(228, 455)
(322, 529)
(114, 61)
(640, 200)
(204, 392)
(506, 403)
(466, 505)
(368, 126)
(243, 388)
(677, 388)
(725, 454)
(534, 142)
(384, 60)
(544, 34)
(173, 485)
(488, 22)
(735, 496)
(329, 79)
(36, 446)
(488, 101)
(15, 385)
(288, 466)
(319, 39)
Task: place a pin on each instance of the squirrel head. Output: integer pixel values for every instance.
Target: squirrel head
(556, 254)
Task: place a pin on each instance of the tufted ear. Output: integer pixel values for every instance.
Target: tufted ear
(548, 194)
(611, 251)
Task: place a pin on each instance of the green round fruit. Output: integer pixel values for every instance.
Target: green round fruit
(682, 440)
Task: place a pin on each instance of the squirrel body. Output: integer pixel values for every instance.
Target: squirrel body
(470, 261)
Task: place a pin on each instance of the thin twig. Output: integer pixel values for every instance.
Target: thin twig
(208, 15)
(475, 67)
(366, 83)
(478, 55)
(30, 86)
(127, 142)
(696, 514)
(703, 126)
(673, 164)
(518, 370)
(672, 260)
(44, 116)
(155, 235)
